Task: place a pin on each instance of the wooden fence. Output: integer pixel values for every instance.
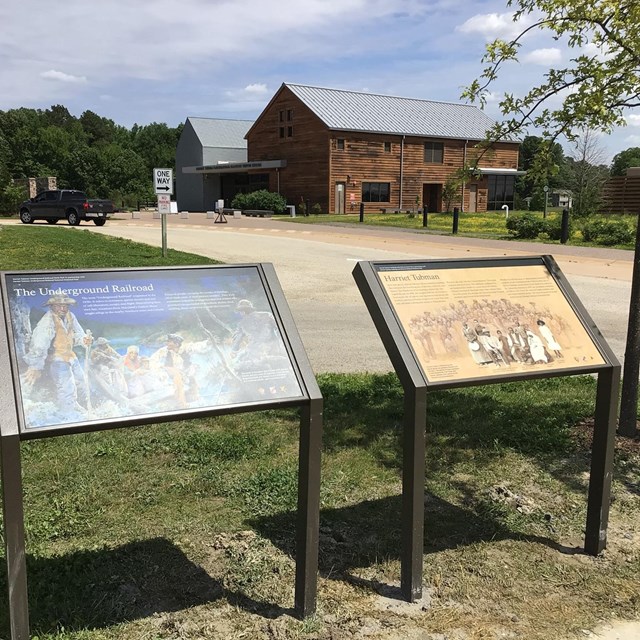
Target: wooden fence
(621, 194)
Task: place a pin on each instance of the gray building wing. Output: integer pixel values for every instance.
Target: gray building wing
(207, 141)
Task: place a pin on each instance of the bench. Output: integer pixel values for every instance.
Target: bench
(406, 210)
(260, 213)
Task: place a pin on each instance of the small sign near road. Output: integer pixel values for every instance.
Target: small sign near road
(164, 203)
(163, 181)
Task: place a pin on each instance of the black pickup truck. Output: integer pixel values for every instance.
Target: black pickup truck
(65, 204)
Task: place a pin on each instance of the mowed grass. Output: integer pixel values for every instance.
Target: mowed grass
(186, 529)
(490, 224)
(33, 247)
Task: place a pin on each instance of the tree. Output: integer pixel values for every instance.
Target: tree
(625, 159)
(587, 174)
(592, 93)
(451, 191)
(531, 184)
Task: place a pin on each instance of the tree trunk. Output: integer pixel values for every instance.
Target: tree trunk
(627, 424)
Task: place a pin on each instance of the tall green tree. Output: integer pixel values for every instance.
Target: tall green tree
(587, 173)
(592, 92)
(625, 159)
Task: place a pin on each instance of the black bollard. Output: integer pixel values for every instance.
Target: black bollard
(308, 211)
(456, 216)
(564, 229)
(362, 212)
(424, 216)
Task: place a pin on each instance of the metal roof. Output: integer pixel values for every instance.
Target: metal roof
(214, 132)
(355, 111)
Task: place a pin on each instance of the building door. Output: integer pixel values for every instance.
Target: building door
(340, 197)
(432, 197)
(473, 198)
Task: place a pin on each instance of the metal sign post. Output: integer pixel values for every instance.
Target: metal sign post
(401, 294)
(223, 296)
(163, 186)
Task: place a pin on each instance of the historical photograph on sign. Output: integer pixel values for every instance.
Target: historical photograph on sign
(466, 323)
(102, 345)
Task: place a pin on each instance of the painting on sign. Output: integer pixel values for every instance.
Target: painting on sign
(108, 344)
(466, 323)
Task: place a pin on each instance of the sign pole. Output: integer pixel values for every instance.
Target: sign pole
(163, 185)
(164, 235)
(413, 456)
(14, 537)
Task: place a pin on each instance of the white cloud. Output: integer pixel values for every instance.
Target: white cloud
(258, 88)
(633, 139)
(633, 119)
(545, 57)
(60, 76)
(492, 25)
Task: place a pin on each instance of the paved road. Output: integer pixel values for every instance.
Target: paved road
(314, 265)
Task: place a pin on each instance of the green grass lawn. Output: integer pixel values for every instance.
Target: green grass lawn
(185, 530)
(479, 225)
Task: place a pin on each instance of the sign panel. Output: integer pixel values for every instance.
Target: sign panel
(163, 180)
(503, 318)
(104, 346)
(164, 203)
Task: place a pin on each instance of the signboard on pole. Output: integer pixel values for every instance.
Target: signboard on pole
(163, 181)
(164, 203)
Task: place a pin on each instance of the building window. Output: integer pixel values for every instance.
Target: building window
(282, 132)
(281, 117)
(289, 115)
(434, 152)
(289, 132)
(340, 144)
(376, 192)
(500, 192)
(387, 147)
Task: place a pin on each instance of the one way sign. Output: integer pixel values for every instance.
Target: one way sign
(163, 180)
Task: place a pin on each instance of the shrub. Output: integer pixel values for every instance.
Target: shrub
(10, 197)
(316, 208)
(607, 231)
(261, 199)
(525, 225)
(553, 227)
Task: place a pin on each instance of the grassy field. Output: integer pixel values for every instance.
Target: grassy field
(479, 225)
(185, 530)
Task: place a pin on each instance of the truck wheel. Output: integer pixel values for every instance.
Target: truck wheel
(99, 222)
(26, 217)
(52, 220)
(73, 218)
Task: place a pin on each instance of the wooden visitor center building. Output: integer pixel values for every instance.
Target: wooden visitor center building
(338, 148)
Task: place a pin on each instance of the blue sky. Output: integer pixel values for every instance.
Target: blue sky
(140, 61)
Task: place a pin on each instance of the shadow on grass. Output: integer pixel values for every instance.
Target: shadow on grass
(101, 588)
(369, 533)
(533, 418)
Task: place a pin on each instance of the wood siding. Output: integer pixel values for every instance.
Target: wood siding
(306, 151)
(621, 194)
(315, 164)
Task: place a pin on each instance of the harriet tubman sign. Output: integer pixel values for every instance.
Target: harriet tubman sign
(103, 345)
(465, 322)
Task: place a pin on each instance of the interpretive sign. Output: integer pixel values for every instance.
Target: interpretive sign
(99, 346)
(455, 323)
(465, 322)
(99, 349)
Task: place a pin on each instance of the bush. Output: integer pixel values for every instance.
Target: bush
(261, 199)
(316, 208)
(525, 225)
(553, 227)
(10, 198)
(607, 231)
